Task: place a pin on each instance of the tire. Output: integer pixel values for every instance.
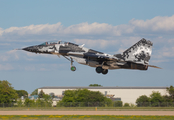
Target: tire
(73, 68)
(105, 71)
(99, 69)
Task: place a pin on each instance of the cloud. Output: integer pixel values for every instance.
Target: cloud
(34, 29)
(45, 67)
(168, 52)
(6, 67)
(1, 31)
(100, 36)
(12, 55)
(156, 24)
(4, 44)
(123, 42)
(153, 26)
(93, 43)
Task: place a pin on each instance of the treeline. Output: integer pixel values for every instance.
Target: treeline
(156, 99)
(79, 98)
(85, 97)
(10, 97)
(7, 92)
(43, 100)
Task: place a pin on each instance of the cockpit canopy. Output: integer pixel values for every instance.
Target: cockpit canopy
(59, 42)
(53, 43)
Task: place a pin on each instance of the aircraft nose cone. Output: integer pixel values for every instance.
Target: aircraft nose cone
(26, 49)
(30, 49)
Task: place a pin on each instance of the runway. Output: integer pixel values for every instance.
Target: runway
(171, 113)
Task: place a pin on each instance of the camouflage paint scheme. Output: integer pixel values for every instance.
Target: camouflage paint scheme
(136, 57)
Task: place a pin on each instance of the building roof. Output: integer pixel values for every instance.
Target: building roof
(102, 87)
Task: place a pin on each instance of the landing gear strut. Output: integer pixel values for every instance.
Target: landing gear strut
(101, 70)
(73, 68)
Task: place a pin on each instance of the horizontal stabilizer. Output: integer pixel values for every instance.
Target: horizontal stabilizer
(154, 66)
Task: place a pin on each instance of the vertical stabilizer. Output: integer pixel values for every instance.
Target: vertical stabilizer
(139, 53)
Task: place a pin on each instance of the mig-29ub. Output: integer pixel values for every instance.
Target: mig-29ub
(136, 57)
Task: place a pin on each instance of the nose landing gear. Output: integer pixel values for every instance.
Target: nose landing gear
(73, 68)
(101, 70)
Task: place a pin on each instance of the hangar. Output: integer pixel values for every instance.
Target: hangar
(125, 94)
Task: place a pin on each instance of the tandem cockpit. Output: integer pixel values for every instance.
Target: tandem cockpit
(53, 43)
(59, 42)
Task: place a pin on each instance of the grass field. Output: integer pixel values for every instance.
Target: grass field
(83, 117)
(89, 108)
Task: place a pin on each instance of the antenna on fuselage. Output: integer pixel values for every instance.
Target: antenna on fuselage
(81, 45)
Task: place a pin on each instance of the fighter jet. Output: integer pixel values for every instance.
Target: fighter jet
(136, 57)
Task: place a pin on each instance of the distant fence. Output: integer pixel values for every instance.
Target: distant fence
(91, 104)
(155, 104)
(84, 104)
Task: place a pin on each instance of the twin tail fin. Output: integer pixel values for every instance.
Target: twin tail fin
(139, 53)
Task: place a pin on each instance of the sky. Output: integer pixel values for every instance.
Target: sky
(109, 26)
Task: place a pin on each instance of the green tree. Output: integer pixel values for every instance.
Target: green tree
(48, 100)
(45, 101)
(91, 85)
(170, 90)
(22, 93)
(156, 99)
(167, 98)
(108, 102)
(86, 97)
(29, 103)
(118, 103)
(19, 103)
(41, 94)
(7, 92)
(52, 95)
(35, 92)
(143, 101)
(126, 105)
(40, 102)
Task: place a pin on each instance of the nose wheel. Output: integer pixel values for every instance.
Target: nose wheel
(73, 68)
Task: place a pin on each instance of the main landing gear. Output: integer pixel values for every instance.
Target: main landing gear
(101, 70)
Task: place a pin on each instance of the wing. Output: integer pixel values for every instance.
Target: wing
(98, 56)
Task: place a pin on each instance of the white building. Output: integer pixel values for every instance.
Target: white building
(125, 94)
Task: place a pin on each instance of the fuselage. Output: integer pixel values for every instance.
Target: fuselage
(80, 54)
(136, 57)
